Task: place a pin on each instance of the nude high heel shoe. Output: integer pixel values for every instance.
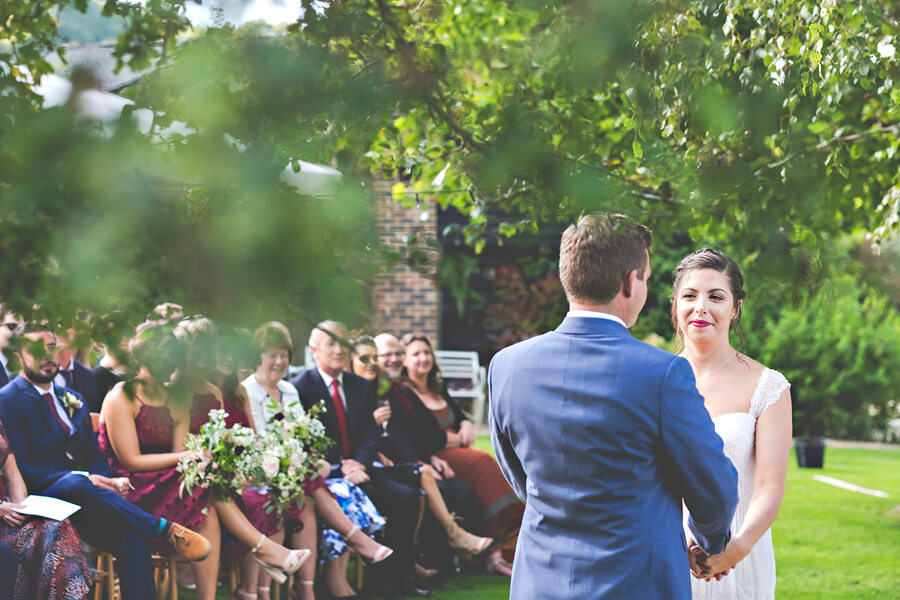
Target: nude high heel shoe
(460, 539)
(382, 553)
(291, 564)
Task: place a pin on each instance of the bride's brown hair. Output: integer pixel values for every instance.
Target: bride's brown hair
(707, 258)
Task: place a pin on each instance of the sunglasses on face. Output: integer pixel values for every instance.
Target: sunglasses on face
(11, 326)
(367, 359)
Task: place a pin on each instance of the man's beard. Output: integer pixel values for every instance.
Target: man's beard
(38, 376)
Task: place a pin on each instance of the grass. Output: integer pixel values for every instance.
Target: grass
(830, 543)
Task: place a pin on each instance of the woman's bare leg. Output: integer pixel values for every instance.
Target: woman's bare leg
(331, 514)
(307, 537)
(236, 522)
(206, 571)
(252, 578)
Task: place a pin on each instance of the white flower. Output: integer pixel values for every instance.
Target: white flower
(885, 48)
(71, 403)
(270, 465)
(316, 428)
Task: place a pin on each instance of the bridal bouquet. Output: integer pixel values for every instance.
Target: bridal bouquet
(291, 451)
(226, 459)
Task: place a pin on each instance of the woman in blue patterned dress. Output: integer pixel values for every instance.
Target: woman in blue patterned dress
(52, 562)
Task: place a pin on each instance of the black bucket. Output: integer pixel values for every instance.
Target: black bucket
(810, 452)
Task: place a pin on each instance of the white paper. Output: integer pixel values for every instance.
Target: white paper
(45, 506)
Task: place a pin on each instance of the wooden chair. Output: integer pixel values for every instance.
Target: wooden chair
(105, 585)
(164, 577)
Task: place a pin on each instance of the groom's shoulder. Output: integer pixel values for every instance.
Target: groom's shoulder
(643, 352)
(519, 349)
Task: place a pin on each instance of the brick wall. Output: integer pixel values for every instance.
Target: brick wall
(404, 299)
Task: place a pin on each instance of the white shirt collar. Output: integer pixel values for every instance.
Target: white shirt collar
(596, 315)
(41, 392)
(328, 379)
(3, 360)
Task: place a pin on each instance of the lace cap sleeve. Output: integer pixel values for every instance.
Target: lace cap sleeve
(768, 391)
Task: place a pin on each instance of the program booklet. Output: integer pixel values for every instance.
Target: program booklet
(45, 506)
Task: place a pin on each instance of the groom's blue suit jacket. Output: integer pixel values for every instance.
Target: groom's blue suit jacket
(603, 436)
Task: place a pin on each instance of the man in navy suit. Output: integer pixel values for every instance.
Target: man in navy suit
(50, 431)
(10, 324)
(75, 376)
(351, 426)
(603, 436)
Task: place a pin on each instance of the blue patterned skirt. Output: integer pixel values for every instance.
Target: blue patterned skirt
(358, 508)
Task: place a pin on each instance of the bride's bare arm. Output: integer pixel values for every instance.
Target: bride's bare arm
(773, 444)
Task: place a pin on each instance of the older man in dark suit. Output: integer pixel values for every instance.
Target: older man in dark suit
(349, 402)
(50, 431)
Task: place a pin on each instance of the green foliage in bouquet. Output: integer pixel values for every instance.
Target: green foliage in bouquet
(292, 449)
(224, 459)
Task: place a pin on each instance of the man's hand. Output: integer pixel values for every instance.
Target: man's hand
(357, 477)
(382, 414)
(441, 468)
(384, 460)
(710, 567)
(119, 485)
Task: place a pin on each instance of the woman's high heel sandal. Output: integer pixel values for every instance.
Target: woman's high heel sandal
(292, 563)
(460, 539)
(240, 594)
(382, 553)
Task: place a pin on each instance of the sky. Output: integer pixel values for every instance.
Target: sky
(242, 11)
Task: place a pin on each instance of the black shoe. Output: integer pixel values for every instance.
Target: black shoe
(385, 591)
(411, 591)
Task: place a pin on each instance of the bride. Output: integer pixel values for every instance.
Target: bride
(751, 408)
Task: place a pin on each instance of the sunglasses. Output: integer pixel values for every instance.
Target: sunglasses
(11, 326)
(366, 359)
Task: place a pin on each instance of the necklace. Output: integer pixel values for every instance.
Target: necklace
(716, 370)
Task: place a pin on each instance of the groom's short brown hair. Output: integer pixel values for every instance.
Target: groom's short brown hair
(598, 253)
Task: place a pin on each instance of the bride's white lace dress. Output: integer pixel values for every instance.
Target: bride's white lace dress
(754, 577)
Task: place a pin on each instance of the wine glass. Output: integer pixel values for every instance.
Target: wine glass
(384, 425)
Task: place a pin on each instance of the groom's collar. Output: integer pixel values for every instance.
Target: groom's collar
(593, 323)
(591, 314)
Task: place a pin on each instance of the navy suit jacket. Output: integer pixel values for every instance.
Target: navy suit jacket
(37, 439)
(361, 398)
(603, 436)
(84, 381)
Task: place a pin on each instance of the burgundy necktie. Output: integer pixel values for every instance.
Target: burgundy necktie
(341, 417)
(52, 404)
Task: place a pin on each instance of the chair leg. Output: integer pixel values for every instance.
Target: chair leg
(359, 573)
(110, 568)
(275, 592)
(173, 579)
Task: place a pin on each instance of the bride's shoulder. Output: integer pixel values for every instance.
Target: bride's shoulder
(754, 367)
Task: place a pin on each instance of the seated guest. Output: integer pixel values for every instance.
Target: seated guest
(142, 426)
(198, 335)
(346, 520)
(349, 403)
(51, 560)
(75, 376)
(50, 431)
(501, 509)
(10, 325)
(8, 566)
(402, 427)
(112, 369)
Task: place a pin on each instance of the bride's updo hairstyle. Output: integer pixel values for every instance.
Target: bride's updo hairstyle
(707, 258)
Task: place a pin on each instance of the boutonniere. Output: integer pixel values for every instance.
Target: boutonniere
(71, 403)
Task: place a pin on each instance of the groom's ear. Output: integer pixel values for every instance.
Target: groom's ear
(628, 283)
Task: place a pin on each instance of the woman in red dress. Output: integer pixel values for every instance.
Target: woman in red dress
(142, 430)
(501, 509)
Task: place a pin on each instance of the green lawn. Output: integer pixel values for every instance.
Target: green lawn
(829, 542)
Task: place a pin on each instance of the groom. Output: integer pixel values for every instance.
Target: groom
(603, 436)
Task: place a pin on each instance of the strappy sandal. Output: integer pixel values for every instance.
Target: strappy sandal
(291, 564)
(460, 539)
(382, 553)
(292, 595)
(240, 594)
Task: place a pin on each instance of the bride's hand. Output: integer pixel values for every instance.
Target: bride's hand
(717, 566)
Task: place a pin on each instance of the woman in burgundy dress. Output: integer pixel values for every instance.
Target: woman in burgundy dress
(52, 562)
(141, 423)
(501, 509)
